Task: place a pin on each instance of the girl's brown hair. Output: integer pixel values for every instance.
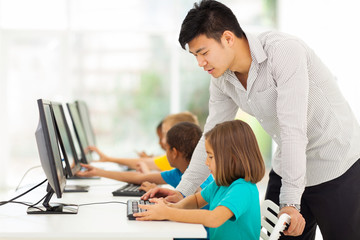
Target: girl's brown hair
(236, 151)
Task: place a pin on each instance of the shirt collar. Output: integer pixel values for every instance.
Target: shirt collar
(256, 49)
(258, 56)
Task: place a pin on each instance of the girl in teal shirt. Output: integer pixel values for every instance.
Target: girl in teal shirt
(234, 159)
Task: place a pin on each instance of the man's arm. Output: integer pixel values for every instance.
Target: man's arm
(291, 74)
(221, 108)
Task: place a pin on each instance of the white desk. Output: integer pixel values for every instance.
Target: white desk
(105, 221)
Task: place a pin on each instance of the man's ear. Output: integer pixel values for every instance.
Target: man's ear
(228, 38)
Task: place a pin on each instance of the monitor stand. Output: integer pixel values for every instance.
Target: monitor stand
(54, 208)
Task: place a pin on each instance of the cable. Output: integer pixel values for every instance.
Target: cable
(38, 201)
(25, 175)
(86, 204)
(11, 200)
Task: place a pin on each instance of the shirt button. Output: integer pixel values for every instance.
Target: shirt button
(249, 100)
(261, 120)
(274, 136)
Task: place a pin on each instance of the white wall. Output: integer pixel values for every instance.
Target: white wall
(331, 28)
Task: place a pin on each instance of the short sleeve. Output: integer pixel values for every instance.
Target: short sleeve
(162, 163)
(209, 180)
(172, 177)
(237, 199)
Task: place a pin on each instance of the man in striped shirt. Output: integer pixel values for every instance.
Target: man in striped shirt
(278, 79)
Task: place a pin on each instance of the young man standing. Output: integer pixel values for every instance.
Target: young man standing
(278, 79)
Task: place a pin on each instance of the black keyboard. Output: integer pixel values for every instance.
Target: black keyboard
(130, 190)
(132, 207)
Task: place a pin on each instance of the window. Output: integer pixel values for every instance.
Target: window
(121, 57)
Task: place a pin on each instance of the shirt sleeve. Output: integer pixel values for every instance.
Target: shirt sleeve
(209, 180)
(162, 163)
(171, 177)
(221, 108)
(290, 70)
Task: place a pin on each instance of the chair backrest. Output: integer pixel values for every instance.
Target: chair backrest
(271, 225)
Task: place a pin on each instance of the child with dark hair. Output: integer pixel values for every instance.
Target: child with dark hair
(147, 163)
(234, 159)
(180, 143)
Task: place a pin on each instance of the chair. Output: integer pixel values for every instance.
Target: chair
(271, 225)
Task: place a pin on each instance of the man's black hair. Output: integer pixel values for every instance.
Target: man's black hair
(211, 18)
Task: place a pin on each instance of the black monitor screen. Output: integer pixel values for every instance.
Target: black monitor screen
(48, 147)
(80, 132)
(85, 119)
(66, 142)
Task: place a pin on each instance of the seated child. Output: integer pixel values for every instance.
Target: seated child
(146, 164)
(180, 143)
(234, 159)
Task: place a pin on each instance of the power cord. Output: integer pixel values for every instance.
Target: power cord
(25, 175)
(86, 204)
(12, 200)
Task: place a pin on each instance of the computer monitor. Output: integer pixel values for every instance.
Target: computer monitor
(48, 146)
(70, 156)
(86, 156)
(85, 119)
(72, 162)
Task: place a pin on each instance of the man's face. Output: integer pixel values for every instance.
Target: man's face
(211, 55)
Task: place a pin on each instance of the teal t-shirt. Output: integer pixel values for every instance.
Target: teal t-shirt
(242, 198)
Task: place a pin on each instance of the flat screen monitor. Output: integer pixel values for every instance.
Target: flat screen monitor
(72, 162)
(48, 146)
(86, 121)
(86, 156)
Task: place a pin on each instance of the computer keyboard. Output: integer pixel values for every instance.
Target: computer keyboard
(132, 207)
(130, 190)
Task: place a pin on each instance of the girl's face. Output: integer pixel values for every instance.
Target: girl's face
(210, 159)
(165, 128)
(160, 135)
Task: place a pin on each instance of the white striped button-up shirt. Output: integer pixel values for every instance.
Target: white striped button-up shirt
(297, 101)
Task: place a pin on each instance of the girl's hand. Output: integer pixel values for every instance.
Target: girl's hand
(90, 171)
(102, 156)
(142, 167)
(169, 194)
(158, 211)
(146, 186)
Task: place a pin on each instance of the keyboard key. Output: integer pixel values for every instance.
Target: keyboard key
(133, 207)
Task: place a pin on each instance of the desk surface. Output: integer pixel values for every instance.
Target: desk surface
(102, 221)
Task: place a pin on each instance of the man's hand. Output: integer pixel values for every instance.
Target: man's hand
(297, 223)
(169, 194)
